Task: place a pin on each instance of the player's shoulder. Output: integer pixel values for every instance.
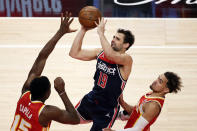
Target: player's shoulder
(49, 108)
(26, 93)
(128, 55)
(98, 51)
(153, 105)
(128, 58)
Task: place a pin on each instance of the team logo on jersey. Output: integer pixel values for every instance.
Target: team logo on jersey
(107, 70)
(107, 115)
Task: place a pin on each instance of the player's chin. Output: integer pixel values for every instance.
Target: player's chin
(112, 46)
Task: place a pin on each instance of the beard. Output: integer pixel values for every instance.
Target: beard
(114, 47)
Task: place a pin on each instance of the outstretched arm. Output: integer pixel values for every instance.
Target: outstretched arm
(68, 116)
(40, 61)
(128, 108)
(125, 114)
(151, 110)
(118, 58)
(76, 50)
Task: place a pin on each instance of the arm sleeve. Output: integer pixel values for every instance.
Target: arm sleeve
(139, 126)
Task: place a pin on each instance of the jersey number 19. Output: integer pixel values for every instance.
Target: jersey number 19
(102, 80)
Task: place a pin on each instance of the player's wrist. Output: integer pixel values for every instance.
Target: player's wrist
(60, 32)
(61, 93)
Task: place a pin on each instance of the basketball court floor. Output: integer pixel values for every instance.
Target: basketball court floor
(161, 45)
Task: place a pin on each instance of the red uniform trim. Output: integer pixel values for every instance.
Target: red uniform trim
(137, 111)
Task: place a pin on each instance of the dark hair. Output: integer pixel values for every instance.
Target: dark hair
(174, 82)
(129, 37)
(39, 86)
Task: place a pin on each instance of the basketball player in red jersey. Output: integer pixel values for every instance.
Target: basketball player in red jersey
(101, 105)
(31, 112)
(144, 114)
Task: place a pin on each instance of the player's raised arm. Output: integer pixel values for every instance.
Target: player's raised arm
(76, 50)
(114, 52)
(151, 110)
(67, 116)
(87, 17)
(40, 61)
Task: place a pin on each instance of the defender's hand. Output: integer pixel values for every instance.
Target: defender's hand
(59, 85)
(101, 25)
(65, 23)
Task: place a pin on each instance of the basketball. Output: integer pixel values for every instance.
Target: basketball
(88, 15)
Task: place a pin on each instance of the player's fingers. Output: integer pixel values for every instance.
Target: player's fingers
(96, 23)
(102, 20)
(70, 21)
(66, 16)
(70, 14)
(105, 21)
(99, 20)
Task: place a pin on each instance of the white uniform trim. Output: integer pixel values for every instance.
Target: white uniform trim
(139, 125)
(40, 110)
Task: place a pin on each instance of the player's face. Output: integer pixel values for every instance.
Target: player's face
(160, 84)
(117, 42)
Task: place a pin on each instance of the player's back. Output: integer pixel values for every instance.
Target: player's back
(27, 114)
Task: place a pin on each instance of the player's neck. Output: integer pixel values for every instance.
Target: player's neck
(32, 99)
(156, 94)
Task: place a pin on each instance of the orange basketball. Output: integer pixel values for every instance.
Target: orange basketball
(88, 15)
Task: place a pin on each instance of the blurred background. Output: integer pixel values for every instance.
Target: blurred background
(165, 40)
(109, 8)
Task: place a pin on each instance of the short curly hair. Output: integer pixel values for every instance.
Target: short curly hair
(174, 82)
(39, 86)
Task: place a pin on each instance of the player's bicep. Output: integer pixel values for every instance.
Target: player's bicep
(151, 110)
(50, 113)
(121, 59)
(35, 71)
(87, 54)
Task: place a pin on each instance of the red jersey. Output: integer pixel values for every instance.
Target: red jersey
(27, 115)
(137, 111)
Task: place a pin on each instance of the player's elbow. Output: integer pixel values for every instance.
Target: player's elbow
(77, 55)
(75, 120)
(73, 54)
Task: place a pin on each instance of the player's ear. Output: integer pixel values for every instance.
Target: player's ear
(126, 45)
(166, 90)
